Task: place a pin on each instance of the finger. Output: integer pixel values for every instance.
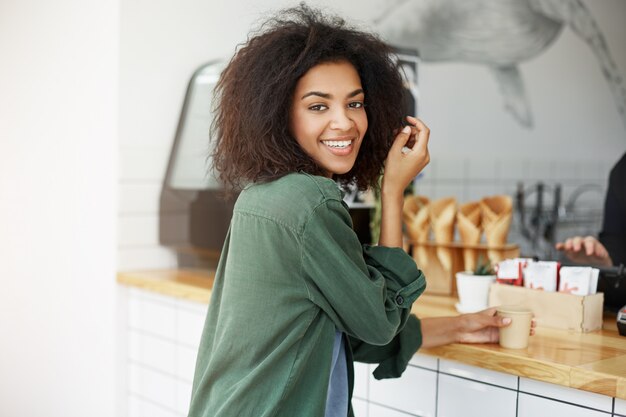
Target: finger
(559, 246)
(401, 138)
(422, 129)
(590, 245)
(496, 321)
(488, 311)
(568, 244)
(422, 138)
(600, 250)
(577, 243)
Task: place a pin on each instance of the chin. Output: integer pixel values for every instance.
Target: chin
(340, 171)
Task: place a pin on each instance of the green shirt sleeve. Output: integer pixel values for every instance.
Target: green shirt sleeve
(393, 357)
(367, 291)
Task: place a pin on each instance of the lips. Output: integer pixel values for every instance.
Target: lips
(339, 147)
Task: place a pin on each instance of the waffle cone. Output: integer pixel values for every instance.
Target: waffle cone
(442, 216)
(497, 213)
(415, 217)
(496, 234)
(468, 221)
(495, 206)
(415, 214)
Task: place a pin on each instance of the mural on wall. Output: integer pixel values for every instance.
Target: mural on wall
(498, 34)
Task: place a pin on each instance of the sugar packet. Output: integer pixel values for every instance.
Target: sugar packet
(579, 280)
(542, 275)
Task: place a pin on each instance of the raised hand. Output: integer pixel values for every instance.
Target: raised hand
(407, 157)
(585, 250)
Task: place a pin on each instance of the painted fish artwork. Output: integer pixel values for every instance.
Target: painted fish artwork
(499, 34)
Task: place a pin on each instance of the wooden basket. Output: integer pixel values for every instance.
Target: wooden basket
(443, 282)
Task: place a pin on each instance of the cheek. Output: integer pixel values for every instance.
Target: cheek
(296, 125)
(309, 127)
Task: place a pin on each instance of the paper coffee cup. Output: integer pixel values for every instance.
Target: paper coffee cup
(516, 334)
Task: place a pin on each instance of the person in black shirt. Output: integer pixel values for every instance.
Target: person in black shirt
(610, 248)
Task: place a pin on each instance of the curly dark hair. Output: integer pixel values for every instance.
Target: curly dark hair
(254, 94)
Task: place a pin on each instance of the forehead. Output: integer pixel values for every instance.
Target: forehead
(330, 77)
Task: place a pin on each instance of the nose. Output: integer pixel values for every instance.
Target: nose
(340, 119)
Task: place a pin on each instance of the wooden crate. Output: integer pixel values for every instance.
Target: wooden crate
(442, 281)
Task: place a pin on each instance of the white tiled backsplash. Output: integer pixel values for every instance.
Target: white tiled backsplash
(163, 335)
(142, 169)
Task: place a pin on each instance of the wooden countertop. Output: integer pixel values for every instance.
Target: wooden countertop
(593, 362)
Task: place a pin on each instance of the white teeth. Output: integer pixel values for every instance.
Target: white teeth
(337, 143)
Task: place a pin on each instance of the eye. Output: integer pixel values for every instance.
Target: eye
(318, 107)
(356, 104)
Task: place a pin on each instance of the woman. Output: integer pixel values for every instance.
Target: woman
(304, 104)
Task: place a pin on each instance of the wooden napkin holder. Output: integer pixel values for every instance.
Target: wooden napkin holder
(557, 310)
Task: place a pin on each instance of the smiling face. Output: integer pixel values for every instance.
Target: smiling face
(327, 117)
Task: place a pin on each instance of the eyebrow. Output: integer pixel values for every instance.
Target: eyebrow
(326, 95)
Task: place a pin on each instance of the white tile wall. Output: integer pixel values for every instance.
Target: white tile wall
(183, 397)
(143, 163)
(482, 169)
(451, 169)
(425, 361)
(360, 408)
(163, 336)
(138, 230)
(478, 374)
(153, 317)
(461, 397)
(190, 321)
(541, 169)
(185, 362)
(150, 257)
(138, 407)
(514, 169)
(574, 396)
(380, 411)
(532, 406)
(154, 352)
(160, 388)
(139, 197)
(478, 189)
(566, 171)
(414, 393)
(361, 380)
(620, 407)
(425, 188)
(142, 169)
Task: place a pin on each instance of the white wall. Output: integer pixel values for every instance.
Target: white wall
(58, 163)
(477, 148)
(161, 45)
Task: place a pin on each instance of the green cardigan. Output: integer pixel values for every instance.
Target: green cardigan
(292, 271)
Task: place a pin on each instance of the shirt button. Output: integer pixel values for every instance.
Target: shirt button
(399, 300)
